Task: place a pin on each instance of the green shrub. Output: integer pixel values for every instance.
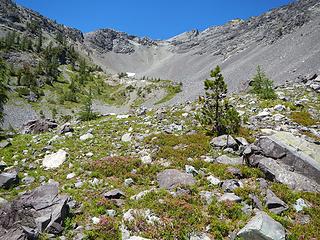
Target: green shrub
(303, 118)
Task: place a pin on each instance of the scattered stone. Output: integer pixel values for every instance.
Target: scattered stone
(206, 196)
(128, 182)
(191, 170)
(54, 160)
(4, 144)
(28, 180)
(86, 136)
(224, 159)
(8, 179)
(89, 154)
(224, 141)
(123, 116)
(231, 197)
(172, 178)
(213, 180)
(230, 185)
(111, 213)
(78, 184)
(95, 220)
(263, 114)
(114, 194)
(235, 172)
(262, 227)
(140, 195)
(126, 137)
(200, 236)
(138, 238)
(66, 128)
(71, 175)
(279, 107)
(146, 159)
(300, 205)
(275, 204)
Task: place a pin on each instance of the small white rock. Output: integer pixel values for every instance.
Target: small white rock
(213, 180)
(95, 220)
(126, 137)
(146, 159)
(71, 175)
(86, 137)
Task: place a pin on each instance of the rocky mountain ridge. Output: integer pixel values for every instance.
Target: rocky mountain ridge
(16, 18)
(283, 41)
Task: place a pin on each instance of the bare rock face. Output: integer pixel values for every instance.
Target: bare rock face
(41, 210)
(109, 40)
(172, 178)
(230, 38)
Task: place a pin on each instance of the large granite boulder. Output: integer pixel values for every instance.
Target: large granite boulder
(303, 157)
(282, 173)
(42, 209)
(262, 227)
(172, 178)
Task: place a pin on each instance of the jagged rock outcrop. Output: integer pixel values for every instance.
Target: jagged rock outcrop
(41, 210)
(38, 126)
(109, 40)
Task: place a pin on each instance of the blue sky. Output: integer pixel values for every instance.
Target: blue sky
(153, 18)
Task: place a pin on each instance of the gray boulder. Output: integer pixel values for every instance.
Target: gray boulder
(224, 159)
(279, 172)
(262, 227)
(8, 179)
(4, 144)
(230, 185)
(229, 197)
(275, 204)
(114, 194)
(42, 209)
(300, 155)
(224, 141)
(172, 178)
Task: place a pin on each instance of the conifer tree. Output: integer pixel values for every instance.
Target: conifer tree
(262, 85)
(216, 112)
